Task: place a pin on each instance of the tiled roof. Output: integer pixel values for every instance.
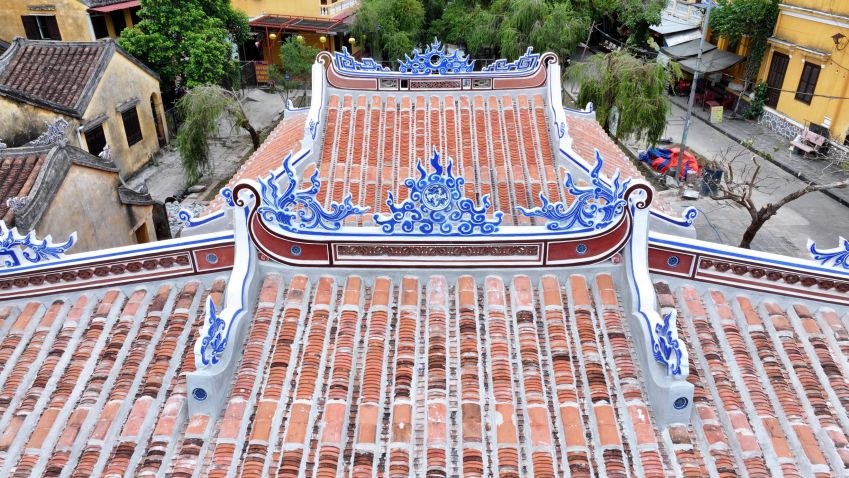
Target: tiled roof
(19, 168)
(56, 75)
(37, 172)
(284, 138)
(421, 374)
(499, 144)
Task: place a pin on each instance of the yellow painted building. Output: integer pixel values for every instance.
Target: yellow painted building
(807, 65)
(105, 94)
(66, 20)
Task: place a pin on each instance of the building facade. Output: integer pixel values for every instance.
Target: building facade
(807, 65)
(45, 184)
(323, 24)
(106, 96)
(66, 20)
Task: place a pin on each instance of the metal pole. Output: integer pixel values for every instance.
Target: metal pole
(692, 100)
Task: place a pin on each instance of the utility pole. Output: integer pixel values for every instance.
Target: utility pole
(708, 7)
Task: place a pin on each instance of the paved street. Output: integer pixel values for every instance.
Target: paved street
(815, 215)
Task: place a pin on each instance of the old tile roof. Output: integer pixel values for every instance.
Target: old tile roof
(60, 76)
(282, 140)
(419, 374)
(19, 168)
(499, 144)
(37, 172)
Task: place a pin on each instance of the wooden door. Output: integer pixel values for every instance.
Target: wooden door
(775, 78)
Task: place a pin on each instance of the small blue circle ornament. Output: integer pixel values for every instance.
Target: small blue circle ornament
(295, 250)
(673, 261)
(680, 403)
(581, 249)
(436, 197)
(199, 394)
(211, 258)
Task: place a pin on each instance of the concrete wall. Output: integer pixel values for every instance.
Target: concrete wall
(814, 32)
(122, 81)
(839, 7)
(87, 202)
(71, 15)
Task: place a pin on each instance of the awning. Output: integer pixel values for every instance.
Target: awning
(687, 49)
(303, 24)
(115, 6)
(682, 37)
(670, 24)
(712, 62)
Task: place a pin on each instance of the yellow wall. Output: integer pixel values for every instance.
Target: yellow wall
(839, 7)
(71, 15)
(814, 34)
(87, 202)
(121, 81)
(299, 8)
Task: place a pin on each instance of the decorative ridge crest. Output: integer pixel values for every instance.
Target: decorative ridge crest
(436, 60)
(28, 249)
(437, 204)
(347, 62)
(594, 207)
(836, 257)
(298, 210)
(527, 62)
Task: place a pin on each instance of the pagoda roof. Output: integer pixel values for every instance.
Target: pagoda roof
(568, 336)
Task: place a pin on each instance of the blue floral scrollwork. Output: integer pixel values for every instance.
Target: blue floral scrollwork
(666, 347)
(594, 207)
(437, 205)
(837, 257)
(28, 249)
(215, 340)
(435, 60)
(346, 62)
(524, 63)
(299, 211)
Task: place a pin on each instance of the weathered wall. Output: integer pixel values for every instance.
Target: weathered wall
(839, 7)
(71, 15)
(814, 32)
(87, 202)
(21, 122)
(121, 82)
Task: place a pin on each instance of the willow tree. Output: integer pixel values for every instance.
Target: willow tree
(199, 111)
(631, 87)
(391, 27)
(506, 28)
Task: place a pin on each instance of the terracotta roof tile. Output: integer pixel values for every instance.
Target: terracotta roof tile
(18, 170)
(514, 374)
(52, 73)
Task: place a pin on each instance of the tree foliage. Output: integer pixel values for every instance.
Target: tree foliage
(200, 109)
(634, 87)
(753, 18)
(297, 58)
(392, 27)
(188, 43)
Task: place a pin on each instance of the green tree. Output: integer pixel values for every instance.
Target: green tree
(199, 110)
(756, 19)
(634, 87)
(630, 17)
(297, 58)
(188, 43)
(392, 27)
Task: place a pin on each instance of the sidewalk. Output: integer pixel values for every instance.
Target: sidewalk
(775, 149)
